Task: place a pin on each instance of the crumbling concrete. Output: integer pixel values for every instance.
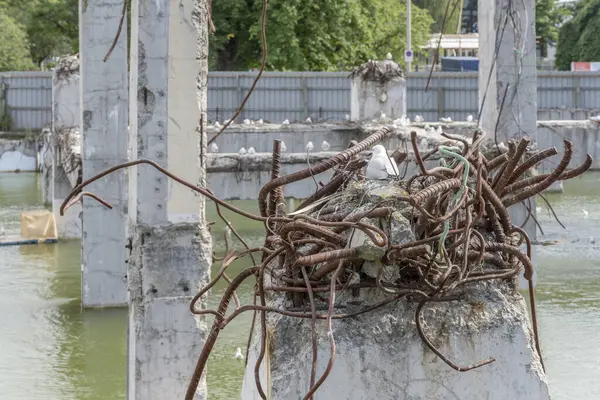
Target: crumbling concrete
(104, 123)
(18, 155)
(379, 354)
(66, 100)
(66, 173)
(163, 337)
(378, 87)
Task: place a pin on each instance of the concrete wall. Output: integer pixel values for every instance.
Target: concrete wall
(18, 155)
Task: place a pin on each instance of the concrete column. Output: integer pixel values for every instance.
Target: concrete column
(508, 79)
(104, 119)
(171, 246)
(378, 87)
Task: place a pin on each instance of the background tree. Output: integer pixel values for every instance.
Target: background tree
(14, 47)
(53, 29)
(51, 25)
(579, 37)
(549, 15)
(306, 35)
(437, 10)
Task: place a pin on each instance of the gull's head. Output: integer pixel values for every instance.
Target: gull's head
(378, 150)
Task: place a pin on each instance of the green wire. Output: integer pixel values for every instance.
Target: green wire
(453, 152)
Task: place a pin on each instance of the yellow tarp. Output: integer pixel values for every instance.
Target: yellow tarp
(38, 224)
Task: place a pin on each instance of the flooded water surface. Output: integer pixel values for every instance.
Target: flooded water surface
(52, 349)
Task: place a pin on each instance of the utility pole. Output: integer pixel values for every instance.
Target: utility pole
(408, 53)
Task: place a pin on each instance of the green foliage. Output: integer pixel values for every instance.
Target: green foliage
(304, 35)
(53, 29)
(14, 48)
(6, 122)
(51, 25)
(549, 15)
(437, 10)
(579, 38)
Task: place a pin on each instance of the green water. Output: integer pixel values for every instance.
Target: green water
(52, 349)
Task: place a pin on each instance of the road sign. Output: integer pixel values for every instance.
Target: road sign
(408, 56)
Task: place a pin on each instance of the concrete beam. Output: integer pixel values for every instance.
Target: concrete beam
(104, 119)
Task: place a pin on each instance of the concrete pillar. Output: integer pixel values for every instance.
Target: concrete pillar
(171, 247)
(508, 79)
(378, 87)
(104, 127)
(66, 121)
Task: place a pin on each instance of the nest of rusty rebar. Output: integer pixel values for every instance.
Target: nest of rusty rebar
(378, 71)
(457, 213)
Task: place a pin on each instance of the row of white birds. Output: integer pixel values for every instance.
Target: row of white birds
(325, 146)
(402, 121)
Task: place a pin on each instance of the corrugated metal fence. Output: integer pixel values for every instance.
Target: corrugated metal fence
(292, 95)
(326, 95)
(27, 96)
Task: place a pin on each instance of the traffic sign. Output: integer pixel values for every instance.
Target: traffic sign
(408, 56)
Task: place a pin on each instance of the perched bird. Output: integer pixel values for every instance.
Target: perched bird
(376, 168)
(308, 120)
(585, 213)
(310, 146)
(419, 118)
(389, 56)
(246, 121)
(381, 166)
(238, 354)
(286, 122)
(2, 232)
(251, 150)
(325, 146)
(227, 121)
(347, 117)
(259, 122)
(283, 147)
(213, 148)
(446, 120)
(405, 121)
(243, 151)
(538, 210)
(217, 124)
(423, 145)
(469, 118)
(382, 116)
(592, 240)
(428, 128)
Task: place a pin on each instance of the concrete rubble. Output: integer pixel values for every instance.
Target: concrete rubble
(379, 354)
